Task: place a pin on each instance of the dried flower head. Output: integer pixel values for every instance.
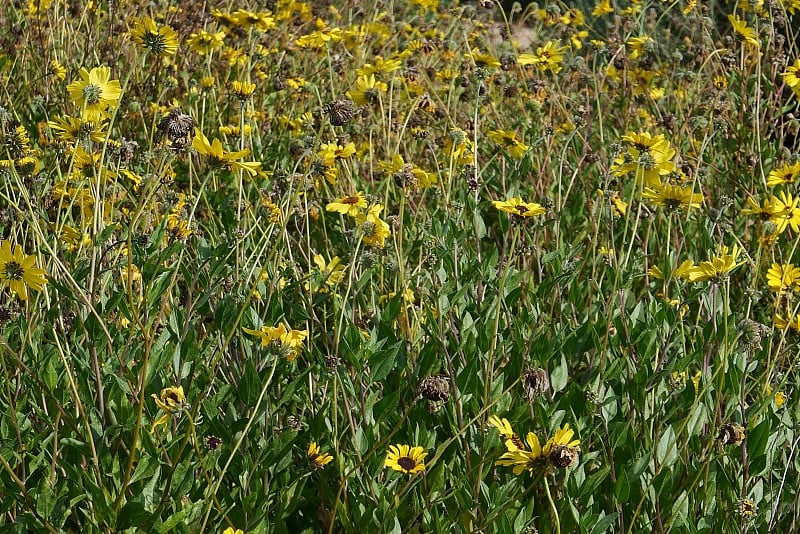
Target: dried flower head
(535, 382)
(434, 388)
(176, 126)
(731, 434)
(340, 112)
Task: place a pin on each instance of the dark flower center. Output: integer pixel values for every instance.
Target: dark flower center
(406, 463)
(13, 271)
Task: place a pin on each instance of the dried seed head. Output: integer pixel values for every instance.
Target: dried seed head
(434, 388)
(562, 456)
(535, 382)
(731, 434)
(340, 112)
(176, 126)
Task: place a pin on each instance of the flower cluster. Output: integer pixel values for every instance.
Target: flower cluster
(559, 451)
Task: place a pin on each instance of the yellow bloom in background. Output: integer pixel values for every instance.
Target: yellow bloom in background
(95, 93)
(603, 7)
(222, 158)
(243, 90)
(521, 459)
(57, 69)
(158, 40)
(546, 58)
(638, 46)
(784, 211)
(230, 530)
(18, 271)
(348, 205)
(375, 230)
(368, 90)
(784, 175)
(783, 277)
(380, 67)
(170, 401)
(483, 60)
(288, 341)
(510, 141)
(406, 459)
(203, 42)
(519, 207)
(647, 156)
(746, 34)
(563, 438)
(672, 197)
(316, 457)
(719, 266)
(261, 21)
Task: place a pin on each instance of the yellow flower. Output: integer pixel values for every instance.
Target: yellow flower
(603, 7)
(242, 90)
(380, 67)
(289, 342)
(638, 46)
(785, 212)
(230, 530)
(375, 230)
(718, 266)
(405, 459)
(95, 93)
(57, 69)
(547, 57)
(320, 39)
(18, 271)
(204, 42)
(221, 157)
(672, 197)
(746, 34)
(367, 91)
(792, 75)
(510, 141)
(170, 401)
(647, 156)
(317, 459)
(784, 175)
(518, 207)
(348, 205)
(521, 459)
(158, 40)
(783, 277)
(563, 438)
(484, 60)
(262, 21)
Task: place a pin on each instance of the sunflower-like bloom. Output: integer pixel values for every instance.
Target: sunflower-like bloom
(647, 156)
(316, 457)
(746, 34)
(546, 58)
(784, 175)
(785, 211)
(243, 90)
(158, 40)
(348, 205)
(519, 207)
(375, 230)
(220, 157)
(170, 401)
(331, 273)
(95, 93)
(204, 42)
(368, 90)
(783, 277)
(718, 266)
(672, 197)
(18, 271)
(406, 459)
(504, 427)
(521, 459)
(288, 341)
(510, 141)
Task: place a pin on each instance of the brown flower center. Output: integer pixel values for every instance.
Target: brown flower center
(13, 271)
(406, 463)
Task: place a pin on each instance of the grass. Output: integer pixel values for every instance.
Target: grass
(407, 266)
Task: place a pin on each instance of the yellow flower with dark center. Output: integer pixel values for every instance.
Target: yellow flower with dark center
(222, 158)
(718, 267)
(785, 212)
(791, 76)
(348, 205)
(784, 175)
(288, 342)
(204, 42)
(603, 7)
(380, 67)
(745, 33)
(519, 207)
(484, 60)
(521, 459)
(547, 57)
(158, 40)
(647, 156)
(262, 21)
(638, 46)
(170, 401)
(316, 457)
(374, 229)
(783, 277)
(57, 69)
(95, 93)
(510, 141)
(504, 427)
(368, 90)
(18, 271)
(672, 197)
(406, 459)
(563, 438)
